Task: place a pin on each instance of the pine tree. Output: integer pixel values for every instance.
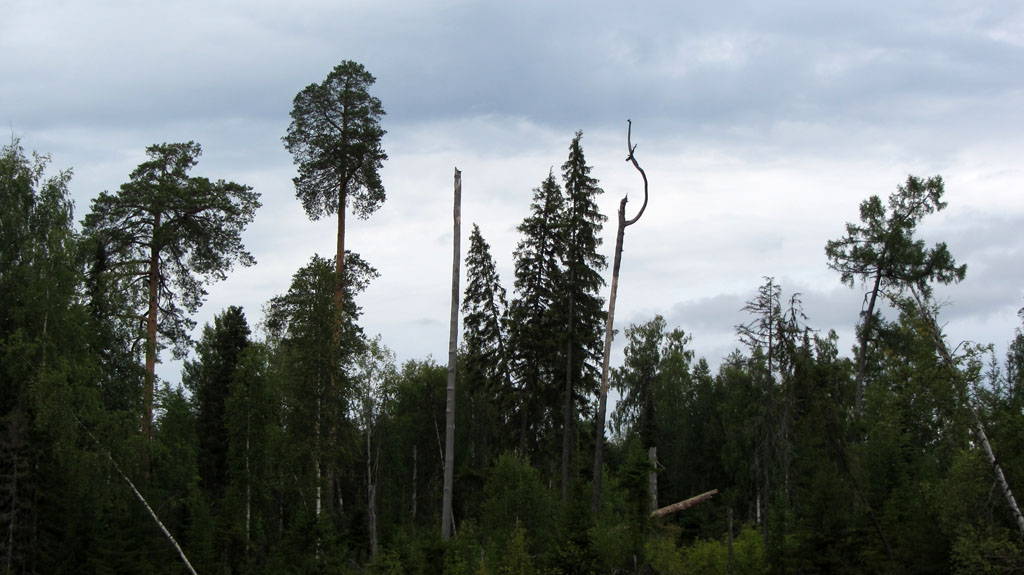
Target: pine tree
(164, 235)
(579, 302)
(335, 139)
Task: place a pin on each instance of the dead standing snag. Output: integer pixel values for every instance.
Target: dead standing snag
(609, 332)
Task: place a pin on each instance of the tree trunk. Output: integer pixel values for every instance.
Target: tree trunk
(729, 523)
(139, 496)
(865, 335)
(683, 505)
(371, 493)
(1011, 502)
(339, 260)
(979, 428)
(524, 420)
(602, 408)
(447, 521)
(248, 473)
(567, 411)
(151, 329)
(602, 403)
(652, 477)
(414, 463)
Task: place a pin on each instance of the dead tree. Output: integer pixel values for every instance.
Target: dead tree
(609, 331)
(925, 311)
(447, 521)
(683, 505)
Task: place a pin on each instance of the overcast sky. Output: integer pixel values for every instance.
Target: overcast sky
(761, 125)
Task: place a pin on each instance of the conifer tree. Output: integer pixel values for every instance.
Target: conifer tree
(484, 311)
(484, 324)
(532, 329)
(209, 379)
(164, 235)
(335, 140)
(580, 304)
(884, 253)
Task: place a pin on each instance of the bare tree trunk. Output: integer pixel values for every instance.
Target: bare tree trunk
(684, 504)
(524, 420)
(339, 260)
(979, 428)
(371, 492)
(248, 475)
(602, 403)
(447, 521)
(139, 496)
(1011, 502)
(729, 521)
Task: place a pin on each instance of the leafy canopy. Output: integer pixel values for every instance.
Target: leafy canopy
(335, 140)
(191, 225)
(883, 247)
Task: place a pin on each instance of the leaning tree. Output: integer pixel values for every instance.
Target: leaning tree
(884, 253)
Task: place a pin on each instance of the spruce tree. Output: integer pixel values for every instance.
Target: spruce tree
(580, 304)
(209, 379)
(533, 335)
(484, 325)
(484, 311)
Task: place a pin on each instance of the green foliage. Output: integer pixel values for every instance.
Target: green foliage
(533, 322)
(517, 559)
(209, 381)
(335, 140)
(711, 556)
(485, 359)
(286, 445)
(514, 495)
(884, 244)
(578, 300)
(192, 228)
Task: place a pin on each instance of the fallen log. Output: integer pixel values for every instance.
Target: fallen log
(683, 505)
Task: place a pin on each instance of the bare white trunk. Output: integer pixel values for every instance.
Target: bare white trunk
(371, 494)
(142, 499)
(979, 430)
(248, 486)
(447, 519)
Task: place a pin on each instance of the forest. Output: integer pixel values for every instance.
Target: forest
(309, 449)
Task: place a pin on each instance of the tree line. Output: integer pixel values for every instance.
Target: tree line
(309, 449)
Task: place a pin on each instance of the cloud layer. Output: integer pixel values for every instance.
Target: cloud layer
(761, 126)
